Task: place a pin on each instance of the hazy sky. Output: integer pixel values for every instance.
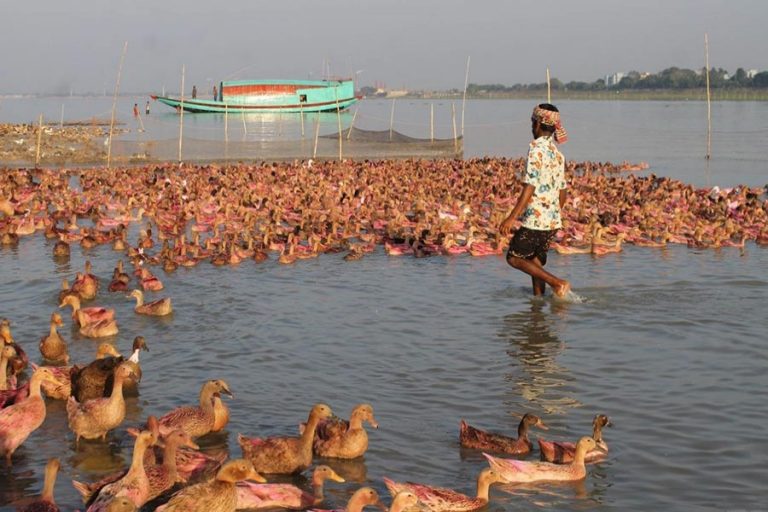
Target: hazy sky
(52, 45)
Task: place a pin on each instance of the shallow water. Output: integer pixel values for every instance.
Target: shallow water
(669, 343)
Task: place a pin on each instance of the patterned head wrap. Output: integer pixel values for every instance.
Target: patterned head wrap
(550, 118)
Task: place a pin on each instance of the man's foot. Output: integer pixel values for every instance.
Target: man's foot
(562, 290)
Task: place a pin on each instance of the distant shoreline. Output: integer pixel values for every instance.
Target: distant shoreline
(606, 95)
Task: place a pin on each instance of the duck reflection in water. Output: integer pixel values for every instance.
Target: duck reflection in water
(534, 347)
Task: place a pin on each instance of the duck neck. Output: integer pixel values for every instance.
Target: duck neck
(3, 373)
(34, 385)
(597, 432)
(356, 504)
(318, 489)
(135, 356)
(49, 483)
(483, 488)
(53, 333)
(206, 402)
(309, 432)
(117, 389)
(137, 462)
(355, 422)
(522, 430)
(169, 459)
(139, 300)
(579, 456)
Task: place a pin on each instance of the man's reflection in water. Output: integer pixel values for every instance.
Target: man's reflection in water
(534, 347)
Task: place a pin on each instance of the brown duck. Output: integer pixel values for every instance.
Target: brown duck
(216, 495)
(345, 439)
(53, 347)
(285, 454)
(564, 452)
(196, 421)
(471, 437)
(93, 381)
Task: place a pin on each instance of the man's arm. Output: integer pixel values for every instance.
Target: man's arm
(522, 202)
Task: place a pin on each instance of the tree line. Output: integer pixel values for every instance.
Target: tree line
(670, 78)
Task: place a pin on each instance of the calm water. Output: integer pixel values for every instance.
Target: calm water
(669, 343)
(670, 136)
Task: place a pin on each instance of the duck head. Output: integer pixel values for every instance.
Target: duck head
(57, 320)
(106, 349)
(600, 421)
(321, 411)
(218, 387)
(139, 343)
(237, 470)
(70, 300)
(325, 473)
(181, 438)
(531, 420)
(365, 413)
(489, 476)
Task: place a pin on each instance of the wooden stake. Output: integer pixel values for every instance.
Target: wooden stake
(301, 114)
(226, 123)
(709, 98)
(392, 119)
(181, 112)
(39, 140)
(114, 106)
(464, 100)
(61, 120)
(352, 123)
(245, 129)
(317, 135)
(338, 118)
(431, 122)
(549, 88)
(455, 137)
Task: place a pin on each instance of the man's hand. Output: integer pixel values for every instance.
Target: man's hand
(506, 227)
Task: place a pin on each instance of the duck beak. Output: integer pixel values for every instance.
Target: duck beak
(229, 393)
(373, 422)
(336, 478)
(191, 444)
(255, 477)
(541, 425)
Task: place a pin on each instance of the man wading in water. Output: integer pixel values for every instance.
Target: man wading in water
(540, 202)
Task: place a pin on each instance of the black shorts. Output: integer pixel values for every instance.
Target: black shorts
(531, 243)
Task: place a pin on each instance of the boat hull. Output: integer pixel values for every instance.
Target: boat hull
(271, 96)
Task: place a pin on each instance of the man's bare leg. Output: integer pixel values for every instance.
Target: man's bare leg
(559, 286)
(539, 286)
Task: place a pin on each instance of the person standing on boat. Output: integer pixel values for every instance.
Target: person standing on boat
(540, 202)
(146, 109)
(194, 92)
(215, 95)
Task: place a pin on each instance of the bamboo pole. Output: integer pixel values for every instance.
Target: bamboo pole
(431, 122)
(39, 140)
(181, 112)
(549, 88)
(141, 123)
(61, 119)
(301, 114)
(338, 118)
(352, 123)
(114, 106)
(464, 99)
(392, 119)
(245, 129)
(317, 135)
(455, 137)
(709, 98)
(226, 123)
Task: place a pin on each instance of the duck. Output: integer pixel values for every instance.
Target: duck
(442, 499)
(216, 495)
(10, 393)
(149, 282)
(100, 329)
(164, 476)
(601, 249)
(134, 485)
(344, 439)
(520, 471)
(253, 496)
(120, 279)
(471, 437)
(160, 307)
(19, 420)
(86, 284)
(284, 454)
(131, 384)
(61, 249)
(91, 380)
(21, 361)
(53, 347)
(363, 497)
(199, 420)
(66, 291)
(95, 418)
(7, 353)
(404, 500)
(46, 503)
(86, 316)
(563, 453)
(220, 414)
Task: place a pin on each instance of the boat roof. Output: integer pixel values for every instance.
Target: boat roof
(316, 83)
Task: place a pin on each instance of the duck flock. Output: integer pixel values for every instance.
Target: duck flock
(227, 214)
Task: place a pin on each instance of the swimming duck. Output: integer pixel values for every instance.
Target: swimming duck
(471, 437)
(216, 495)
(160, 307)
(22, 418)
(164, 476)
(66, 291)
(195, 421)
(95, 418)
(443, 499)
(21, 361)
(53, 347)
(86, 284)
(134, 485)
(363, 497)
(253, 496)
(131, 384)
(149, 282)
(345, 439)
(563, 452)
(520, 471)
(284, 454)
(61, 249)
(46, 503)
(100, 329)
(86, 316)
(90, 381)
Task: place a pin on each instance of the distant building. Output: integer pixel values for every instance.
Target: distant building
(614, 79)
(751, 74)
(396, 93)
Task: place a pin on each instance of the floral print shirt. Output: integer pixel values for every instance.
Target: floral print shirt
(545, 170)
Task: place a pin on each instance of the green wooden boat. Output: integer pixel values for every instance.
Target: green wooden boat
(271, 96)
